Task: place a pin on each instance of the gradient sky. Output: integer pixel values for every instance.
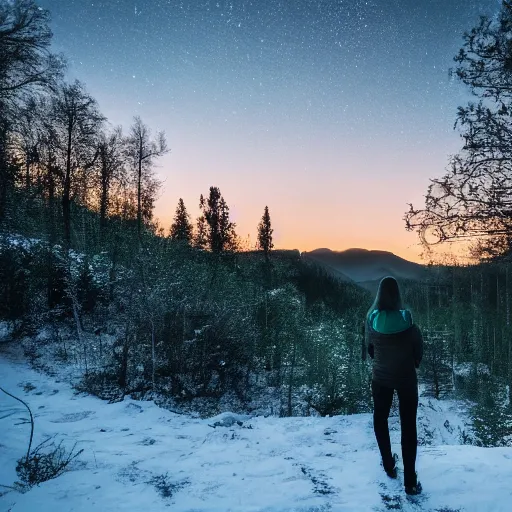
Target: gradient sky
(334, 113)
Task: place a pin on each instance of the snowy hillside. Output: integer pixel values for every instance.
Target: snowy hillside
(138, 456)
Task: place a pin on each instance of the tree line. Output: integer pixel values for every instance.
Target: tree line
(184, 314)
(56, 144)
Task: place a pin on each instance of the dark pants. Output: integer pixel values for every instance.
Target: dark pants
(408, 406)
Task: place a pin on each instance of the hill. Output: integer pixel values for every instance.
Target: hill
(366, 267)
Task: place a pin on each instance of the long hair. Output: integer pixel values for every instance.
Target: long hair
(388, 296)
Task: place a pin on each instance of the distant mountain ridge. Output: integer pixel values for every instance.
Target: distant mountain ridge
(366, 267)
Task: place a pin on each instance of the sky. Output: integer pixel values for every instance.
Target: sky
(333, 113)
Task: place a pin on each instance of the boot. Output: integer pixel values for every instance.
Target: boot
(415, 489)
(392, 472)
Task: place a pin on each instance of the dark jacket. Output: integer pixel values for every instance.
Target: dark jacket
(395, 356)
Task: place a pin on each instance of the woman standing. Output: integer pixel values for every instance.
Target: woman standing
(395, 344)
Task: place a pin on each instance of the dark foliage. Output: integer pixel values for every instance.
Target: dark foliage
(181, 228)
(265, 231)
(14, 283)
(436, 364)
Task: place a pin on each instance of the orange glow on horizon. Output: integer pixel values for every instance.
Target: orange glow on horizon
(404, 244)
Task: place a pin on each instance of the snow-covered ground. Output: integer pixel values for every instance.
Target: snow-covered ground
(139, 457)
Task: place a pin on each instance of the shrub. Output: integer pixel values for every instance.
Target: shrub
(45, 462)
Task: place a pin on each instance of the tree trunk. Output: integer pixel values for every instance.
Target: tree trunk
(507, 306)
(428, 307)
(113, 270)
(509, 371)
(179, 351)
(79, 330)
(482, 349)
(455, 341)
(51, 232)
(27, 170)
(139, 194)
(268, 357)
(104, 195)
(66, 192)
(153, 357)
(4, 170)
(290, 382)
(493, 371)
(507, 296)
(123, 371)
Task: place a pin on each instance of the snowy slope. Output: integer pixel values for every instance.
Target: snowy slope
(132, 449)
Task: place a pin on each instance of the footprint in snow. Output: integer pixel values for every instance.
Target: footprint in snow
(131, 474)
(394, 499)
(133, 408)
(391, 501)
(72, 417)
(318, 479)
(148, 441)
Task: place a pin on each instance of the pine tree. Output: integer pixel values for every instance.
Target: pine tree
(265, 234)
(201, 236)
(211, 214)
(181, 228)
(221, 234)
(227, 235)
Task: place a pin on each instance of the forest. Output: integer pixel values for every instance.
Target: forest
(190, 316)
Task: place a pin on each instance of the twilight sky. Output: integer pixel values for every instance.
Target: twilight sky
(334, 113)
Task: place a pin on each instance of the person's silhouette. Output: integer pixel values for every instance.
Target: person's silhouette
(395, 344)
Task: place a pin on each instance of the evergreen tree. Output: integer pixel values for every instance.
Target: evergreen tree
(201, 234)
(436, 367)
(228, 236)
(212, 216)
(181, 228)
(221, 234)
(265, 234)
